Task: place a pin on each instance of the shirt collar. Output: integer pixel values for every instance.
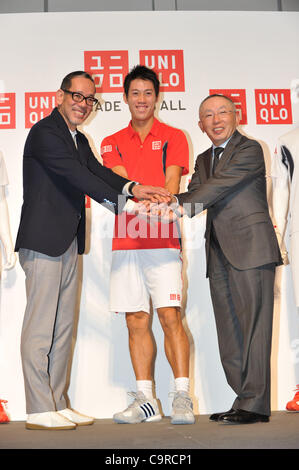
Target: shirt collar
(222, 145)
(154, 129)
(73, 133)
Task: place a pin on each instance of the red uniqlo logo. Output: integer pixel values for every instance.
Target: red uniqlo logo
(169, 66)
(7, 110)
(273, 107)
(107, 68)
(37, 106)
(238, 97)
(175, 296)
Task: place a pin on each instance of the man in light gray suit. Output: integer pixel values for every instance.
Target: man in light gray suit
(242, 252)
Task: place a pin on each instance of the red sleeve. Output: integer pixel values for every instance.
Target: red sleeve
(109, 153)
(178, 151)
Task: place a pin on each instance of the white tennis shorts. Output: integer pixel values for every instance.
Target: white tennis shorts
(140, 275)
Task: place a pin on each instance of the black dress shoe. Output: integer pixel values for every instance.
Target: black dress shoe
(242, 417)
(215, 416)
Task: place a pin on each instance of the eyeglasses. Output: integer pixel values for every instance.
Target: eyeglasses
(222, 114)
(78, 97)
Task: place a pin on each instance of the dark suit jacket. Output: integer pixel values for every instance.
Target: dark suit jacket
(237, 203)
(56, 177)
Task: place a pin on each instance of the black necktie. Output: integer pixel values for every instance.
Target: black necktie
(217, 152)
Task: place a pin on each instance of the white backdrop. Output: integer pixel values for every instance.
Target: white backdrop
(205, 50)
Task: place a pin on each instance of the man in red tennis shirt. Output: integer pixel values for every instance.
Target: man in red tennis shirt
(146, 261)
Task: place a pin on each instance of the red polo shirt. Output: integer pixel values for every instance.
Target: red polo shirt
(146, 163)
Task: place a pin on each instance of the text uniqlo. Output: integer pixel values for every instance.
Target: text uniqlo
(168, 65)
(273, 106)
(38, 105)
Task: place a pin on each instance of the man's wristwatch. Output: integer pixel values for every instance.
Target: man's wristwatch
(130, 187)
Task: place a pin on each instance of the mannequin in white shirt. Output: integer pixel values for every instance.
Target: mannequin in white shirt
(5, 235)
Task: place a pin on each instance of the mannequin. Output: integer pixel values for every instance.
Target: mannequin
(285, 210)
(285, 179)
(5, 236)
(8, 249)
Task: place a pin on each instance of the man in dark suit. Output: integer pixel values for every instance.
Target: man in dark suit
(59, 168)
(241, 251)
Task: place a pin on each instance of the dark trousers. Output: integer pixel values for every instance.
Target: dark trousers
(243, 308)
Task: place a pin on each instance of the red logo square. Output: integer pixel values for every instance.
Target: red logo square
(38, 105)
(7, 110)
(108, 69)
(168, 65)
(238, 96)
(273, 106)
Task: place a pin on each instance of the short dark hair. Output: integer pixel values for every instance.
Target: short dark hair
(67, 81)
(217, 95)
(143, 72)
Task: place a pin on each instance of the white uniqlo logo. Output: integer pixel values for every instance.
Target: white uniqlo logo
(157, 145)
(106, 148)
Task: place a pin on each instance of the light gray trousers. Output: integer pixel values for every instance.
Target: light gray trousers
(51, 288)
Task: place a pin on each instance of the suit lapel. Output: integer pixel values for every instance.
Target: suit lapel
(79, 148)
(204, 165)
(208, 162)
(229, 150)
(61, 124)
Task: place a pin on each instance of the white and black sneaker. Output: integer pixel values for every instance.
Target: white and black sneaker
(182, 409)
(141, 410)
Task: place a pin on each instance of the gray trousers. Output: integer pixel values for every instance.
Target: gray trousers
(46, 339)
(243, 307)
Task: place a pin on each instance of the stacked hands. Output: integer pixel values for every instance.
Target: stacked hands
(156, 204)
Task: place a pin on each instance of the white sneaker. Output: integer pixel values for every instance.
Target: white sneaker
(182, 409)
(75, 417)
(50, 420)
(142, 409)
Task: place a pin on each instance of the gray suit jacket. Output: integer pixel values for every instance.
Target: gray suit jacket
(236, 199)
